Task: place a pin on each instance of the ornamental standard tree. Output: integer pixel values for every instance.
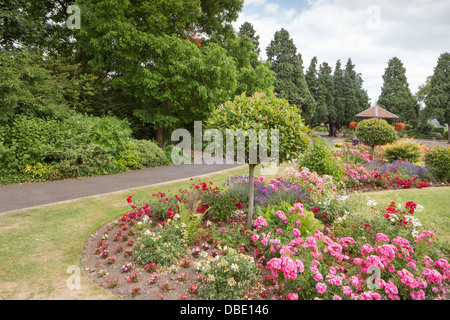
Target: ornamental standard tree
(375, 132)
(260, 112)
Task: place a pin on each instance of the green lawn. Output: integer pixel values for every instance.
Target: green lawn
(436, 203)
(38, 245)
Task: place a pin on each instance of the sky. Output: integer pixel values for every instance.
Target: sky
(370, 32)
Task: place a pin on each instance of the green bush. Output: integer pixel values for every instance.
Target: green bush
(438, 159)
(35, 149)
(445, 136)
(149, 154)
(439, 130)
(407, 150)
(320, 158)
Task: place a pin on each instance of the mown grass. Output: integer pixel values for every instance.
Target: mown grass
(436, 203)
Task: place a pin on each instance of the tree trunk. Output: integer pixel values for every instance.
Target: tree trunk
(159, 136)
(251, 195)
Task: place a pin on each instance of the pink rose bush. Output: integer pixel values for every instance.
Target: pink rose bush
(329, 267)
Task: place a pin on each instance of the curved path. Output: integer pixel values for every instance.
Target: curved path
(28, 195)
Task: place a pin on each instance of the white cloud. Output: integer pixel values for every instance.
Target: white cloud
(271, 8)
(370, 32)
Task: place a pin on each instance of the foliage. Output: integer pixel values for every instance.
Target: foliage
(438, 160)
(32, 89)
(227, 276)
(260, 112)
(37, 149)
(320, 158)
(375, 132)
(437, 100)
(163, 246)
(290, 83)
(396, 96)
(349, 96)
(142, 154)
(405, 149)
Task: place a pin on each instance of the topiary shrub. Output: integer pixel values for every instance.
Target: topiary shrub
(405, 149)
(375, 132)
(438, 159)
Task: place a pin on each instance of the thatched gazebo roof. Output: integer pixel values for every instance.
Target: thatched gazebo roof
(376, 112)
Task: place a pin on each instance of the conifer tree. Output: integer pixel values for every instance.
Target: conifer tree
(396, 96)
(290, 83)
(437, 100)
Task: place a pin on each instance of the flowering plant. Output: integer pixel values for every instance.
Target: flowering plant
(164, 246)
(399, 126)
(150, 267)
(165, 286)
(133, 278)
(127, 267)
(113, 283)
(135, 291)
(153, 278)
(185, 263)
(183, 277)
(228, 275)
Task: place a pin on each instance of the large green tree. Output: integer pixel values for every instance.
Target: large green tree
(37, 24)
(336, 113)
(290, 82)
(396, 96)
(252, 74)
(45, 87)
(351, 90)
(152, 50)
(321, 85)
(437, 100)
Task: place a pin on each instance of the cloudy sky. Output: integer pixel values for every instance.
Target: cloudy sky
(370, 32)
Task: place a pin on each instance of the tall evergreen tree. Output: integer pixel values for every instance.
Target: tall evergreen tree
(395, 94)
(336, 114)
(247, 29)
(311, 78)
(325, 97)
(437, 100)
(352, 106)
(290, 82)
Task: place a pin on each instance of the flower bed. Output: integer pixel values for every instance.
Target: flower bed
(315, 247)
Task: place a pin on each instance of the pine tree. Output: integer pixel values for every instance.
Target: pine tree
(437, 100)
(395, 94)
(290, 82)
